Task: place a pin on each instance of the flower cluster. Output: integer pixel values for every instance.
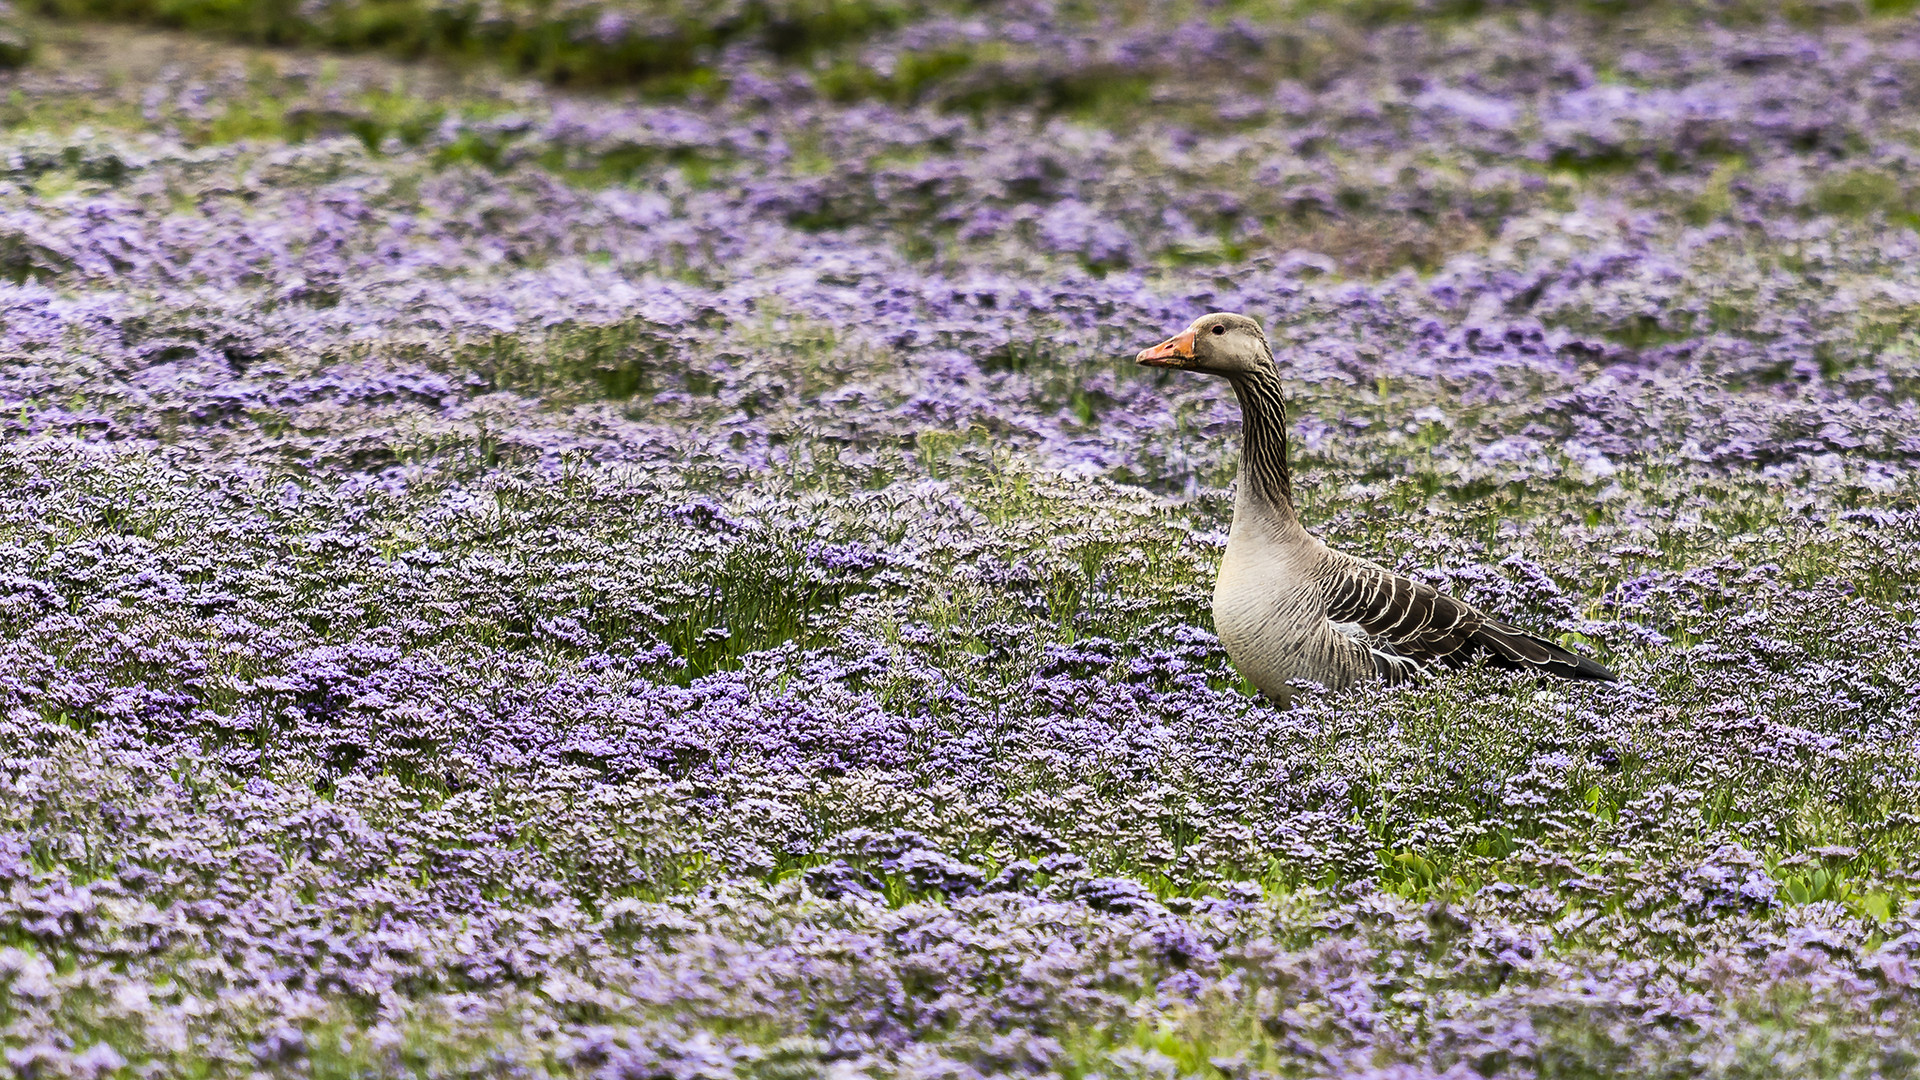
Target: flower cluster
(495, 581)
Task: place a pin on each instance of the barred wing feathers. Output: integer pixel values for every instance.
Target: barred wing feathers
(1409, 623)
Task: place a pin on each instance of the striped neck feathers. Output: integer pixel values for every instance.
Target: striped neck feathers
(1264, 474)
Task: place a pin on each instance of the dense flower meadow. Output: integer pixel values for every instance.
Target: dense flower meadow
(687, 582)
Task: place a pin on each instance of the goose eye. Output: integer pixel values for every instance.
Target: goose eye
(1219, 329)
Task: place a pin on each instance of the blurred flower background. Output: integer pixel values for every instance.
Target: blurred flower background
(617, 538)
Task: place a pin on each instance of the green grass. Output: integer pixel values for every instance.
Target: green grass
(665, 56)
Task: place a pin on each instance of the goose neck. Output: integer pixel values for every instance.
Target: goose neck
(1265, 481)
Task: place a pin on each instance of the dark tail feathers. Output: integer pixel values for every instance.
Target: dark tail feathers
(1509, 647)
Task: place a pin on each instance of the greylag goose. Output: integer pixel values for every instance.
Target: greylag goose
(1286, 606)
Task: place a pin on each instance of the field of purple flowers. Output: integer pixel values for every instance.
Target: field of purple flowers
(688, 582)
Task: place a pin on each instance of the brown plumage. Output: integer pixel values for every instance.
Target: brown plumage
(1414, 621)
(1286, 606)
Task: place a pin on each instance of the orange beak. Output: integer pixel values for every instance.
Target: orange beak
(1171, 353)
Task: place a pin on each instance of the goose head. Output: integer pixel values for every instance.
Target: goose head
(1221, 343)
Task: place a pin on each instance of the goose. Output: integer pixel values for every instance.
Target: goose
(1289, 608)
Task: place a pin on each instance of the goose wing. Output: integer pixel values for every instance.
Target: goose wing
(1407, 621)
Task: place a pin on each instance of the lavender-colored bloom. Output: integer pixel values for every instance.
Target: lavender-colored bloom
(547, 585)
